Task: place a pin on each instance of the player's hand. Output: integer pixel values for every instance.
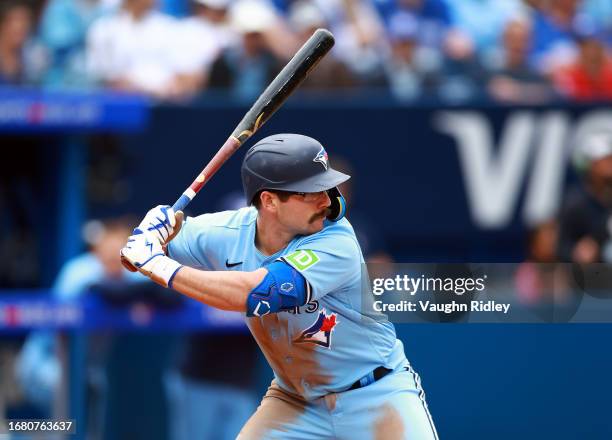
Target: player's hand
(163, 222)
(145, 253)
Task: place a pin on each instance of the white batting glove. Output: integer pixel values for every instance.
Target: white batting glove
(144, 251)
(163, 222)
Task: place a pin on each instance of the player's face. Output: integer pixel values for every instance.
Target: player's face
(304, 213)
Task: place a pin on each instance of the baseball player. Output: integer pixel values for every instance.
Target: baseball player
(292, 264)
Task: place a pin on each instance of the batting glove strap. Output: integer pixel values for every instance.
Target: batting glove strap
(162, 270)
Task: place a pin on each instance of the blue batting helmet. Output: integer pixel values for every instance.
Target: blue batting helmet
(295, 163)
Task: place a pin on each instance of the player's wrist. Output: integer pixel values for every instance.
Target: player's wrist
(162, 270)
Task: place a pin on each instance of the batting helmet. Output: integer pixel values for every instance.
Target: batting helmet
(292, 162)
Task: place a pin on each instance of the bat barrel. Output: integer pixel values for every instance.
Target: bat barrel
(292, 75)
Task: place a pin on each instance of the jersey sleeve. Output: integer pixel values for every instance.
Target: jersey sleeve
(328, 263)
(190, 246)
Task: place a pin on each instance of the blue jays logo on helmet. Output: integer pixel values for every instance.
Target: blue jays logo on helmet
(320, 332)
(322, 158)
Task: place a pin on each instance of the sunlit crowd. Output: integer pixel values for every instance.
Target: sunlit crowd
(513, 51)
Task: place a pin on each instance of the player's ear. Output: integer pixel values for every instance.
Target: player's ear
(268, 200)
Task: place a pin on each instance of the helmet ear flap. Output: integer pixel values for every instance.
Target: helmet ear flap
(338, 204)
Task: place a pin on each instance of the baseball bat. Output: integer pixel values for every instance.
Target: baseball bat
(277, 92)
(292, 75)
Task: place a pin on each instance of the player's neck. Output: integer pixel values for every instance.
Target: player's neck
(270, 238)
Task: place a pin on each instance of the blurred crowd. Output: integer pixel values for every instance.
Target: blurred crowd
(580, 234)
(511, 51)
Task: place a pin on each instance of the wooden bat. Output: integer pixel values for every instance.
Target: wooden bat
(268, 102)
(292, 75)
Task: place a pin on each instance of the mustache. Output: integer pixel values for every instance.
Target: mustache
(321, 214)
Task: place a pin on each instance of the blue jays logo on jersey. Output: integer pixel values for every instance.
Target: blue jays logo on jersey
(322, 158)
(321, 331)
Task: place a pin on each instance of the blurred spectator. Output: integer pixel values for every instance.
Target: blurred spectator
(589, 77)
(279, 38)
(432, 16)
(585, 220)
(512, 79)
(462, 73)
(202, 37)
(542, 282)
(553, 27)
(305, 17)
(482, 21)
(214, 15)
(135, 50)
(39, 367)
(63, 30)
(21, 62)
(211, 395)
(247, 68)
(360, 37)
(534, 280)
(455, 50)
(598, 13)
(214, 12)
(542, 242)
(411, 69)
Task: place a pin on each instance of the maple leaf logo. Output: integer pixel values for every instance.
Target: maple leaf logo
(329, 322)
(320, 332)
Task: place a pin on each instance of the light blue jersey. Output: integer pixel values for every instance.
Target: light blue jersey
(324, 346)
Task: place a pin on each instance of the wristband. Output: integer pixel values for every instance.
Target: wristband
(162, 270)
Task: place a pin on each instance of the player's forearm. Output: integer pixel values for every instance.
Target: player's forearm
(223, 290)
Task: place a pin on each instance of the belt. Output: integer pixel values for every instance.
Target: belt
(371, 377)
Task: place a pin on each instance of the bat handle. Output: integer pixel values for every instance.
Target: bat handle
(225, 152)
(181, 203)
